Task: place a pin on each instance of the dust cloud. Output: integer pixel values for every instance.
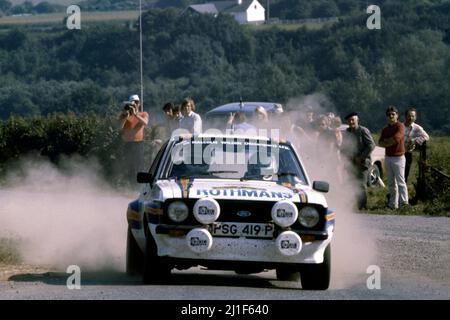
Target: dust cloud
(63, 217)
(70, 217)
(354, 243)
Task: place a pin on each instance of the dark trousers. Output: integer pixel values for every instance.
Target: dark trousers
(408, 157)
(133, 159)
(361, 174)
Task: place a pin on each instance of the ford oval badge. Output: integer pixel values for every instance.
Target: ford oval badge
(244, 214)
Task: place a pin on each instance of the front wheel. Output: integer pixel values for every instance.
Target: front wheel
(155, 270)
(134, 256)
(317, 276)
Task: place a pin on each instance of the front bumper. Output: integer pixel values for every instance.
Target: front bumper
(238, 249)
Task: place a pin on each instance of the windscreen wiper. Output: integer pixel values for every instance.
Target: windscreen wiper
(251, 176)
(222, 171)
(287, 173)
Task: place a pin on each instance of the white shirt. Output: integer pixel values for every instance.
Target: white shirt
(192, 122)
(414, 135)
(243, 126)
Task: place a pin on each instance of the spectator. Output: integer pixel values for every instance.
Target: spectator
(177, 116)
(308, 115)
(324, 133)
(191, 121)
(132, 123)
(357, 145)
(336, 123)
(275, 119)
(305, 126)
(261, 118)
(238, 121)
(415, 135)
(325, 143)
(393, 140)
(261, 114)
(171, 123)
(168, 111)
(330, 115)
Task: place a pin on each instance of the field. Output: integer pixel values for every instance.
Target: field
(63, 2)
(290, 26)
(59, 17)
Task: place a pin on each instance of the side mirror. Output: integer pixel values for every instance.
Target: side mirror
(321, 186)
(144, 177)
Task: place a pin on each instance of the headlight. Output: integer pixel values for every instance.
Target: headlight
(178, 211)
(284, 213)
(308, 217)
(206, 210)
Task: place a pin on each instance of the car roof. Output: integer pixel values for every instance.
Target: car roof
(229, 136)
(247, 107)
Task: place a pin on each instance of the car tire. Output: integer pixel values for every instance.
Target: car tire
(134, 256)
(155, 270)
(284, 274)
(317, 276)
(373, 176)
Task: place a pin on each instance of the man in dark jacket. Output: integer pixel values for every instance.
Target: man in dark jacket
(357, 145)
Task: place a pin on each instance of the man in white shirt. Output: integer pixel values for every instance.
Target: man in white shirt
(238, 122)
(415, 135)
(191, 121)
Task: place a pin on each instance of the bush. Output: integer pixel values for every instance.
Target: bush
(58, 136)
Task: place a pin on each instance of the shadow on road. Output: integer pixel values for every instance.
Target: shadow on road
(184, 278)
(87, 278)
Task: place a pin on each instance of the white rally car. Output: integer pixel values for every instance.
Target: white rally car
(230, 202)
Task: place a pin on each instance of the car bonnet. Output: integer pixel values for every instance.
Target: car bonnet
(249, 190)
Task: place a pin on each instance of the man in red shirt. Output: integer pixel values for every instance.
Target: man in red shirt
(393, 139)
(132, 123)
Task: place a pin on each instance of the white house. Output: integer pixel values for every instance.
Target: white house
(243, 11)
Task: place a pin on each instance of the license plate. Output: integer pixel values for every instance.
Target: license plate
(238, 229)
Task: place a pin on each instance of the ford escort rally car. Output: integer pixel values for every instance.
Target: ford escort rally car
(230, 202)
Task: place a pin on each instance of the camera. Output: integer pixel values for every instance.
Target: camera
(128, 106)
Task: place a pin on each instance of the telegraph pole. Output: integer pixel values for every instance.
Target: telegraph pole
(141, 58)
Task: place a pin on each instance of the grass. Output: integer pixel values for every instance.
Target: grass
(97, 16)
(35, 2)
(438, 150)
(289, 26)
(8, 252)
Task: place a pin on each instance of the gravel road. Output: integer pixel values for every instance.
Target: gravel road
(413, 254)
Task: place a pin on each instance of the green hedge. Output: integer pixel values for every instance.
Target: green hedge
(60, 135)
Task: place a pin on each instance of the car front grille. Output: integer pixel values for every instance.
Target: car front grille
(233, 210)
(240, 211)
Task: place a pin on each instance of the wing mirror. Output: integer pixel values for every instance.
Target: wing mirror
(321, 186)
(144, 177)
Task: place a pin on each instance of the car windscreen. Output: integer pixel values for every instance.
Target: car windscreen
(242, 159)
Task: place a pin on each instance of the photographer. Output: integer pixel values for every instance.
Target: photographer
(132, 123)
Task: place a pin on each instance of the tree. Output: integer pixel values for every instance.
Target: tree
(325, 9)
(13, 40)
(46, 7)
(5, 5)
(16, 99)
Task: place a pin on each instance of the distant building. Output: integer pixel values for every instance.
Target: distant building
(243, 11)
